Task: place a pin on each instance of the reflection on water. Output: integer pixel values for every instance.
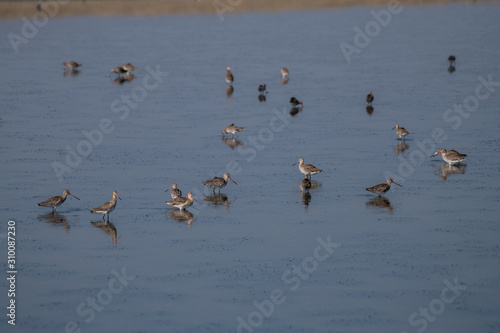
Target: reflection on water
(451, 69)
(218, 199)
(181, 216)
(381, 202)
(71, 72)
(285, 79)
(305, 197)
(120, 79)
(369, 110)
(295, 110)
(262, 97)
(401, 147)
(454, 169)
(55, 219)
(229, 92)
(108, 228)
(232, 142)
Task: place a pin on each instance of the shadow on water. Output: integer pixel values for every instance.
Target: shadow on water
(229, 92)
(108, 228)
(181, 216)
(232, 142)
(455, 169)
(380, 202)
(121, 79)
(218, 199)
(369, 110)
(401, 147)
(55, 218)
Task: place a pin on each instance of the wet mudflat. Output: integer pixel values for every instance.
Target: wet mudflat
(260, 256)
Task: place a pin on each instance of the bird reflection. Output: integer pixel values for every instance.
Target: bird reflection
(262, 97)
(121, 79)
(401, 147)
(218, 199)
(285, 79)
(306, 199)
(229, 92)
(451, 169)
(295, 110)
(381, 202)
(181, 216)
(232, 142)
(306, 185)
(107, 227)
(369, 110)
(55, 218)
(71, 72)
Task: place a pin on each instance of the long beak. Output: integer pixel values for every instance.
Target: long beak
(394, 127)
(233, 181)
(397, 184)
(295, 163)
(118, 197)
(73, 196)
(168, 188)
(436, 153)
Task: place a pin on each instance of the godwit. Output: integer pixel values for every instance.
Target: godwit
(71, 64)
(182, 202)
(232, 129)
(307, 169)
(56, 201)
(401, 131)
(229, 75)
(284, 71)
(451, 59)
(262, 88)
(295, 102)
(122, 69)
(218, 183)
(369, 99)
(305, 184)
(450, 156)
(382, 188)
(108, 207)
(175, 191)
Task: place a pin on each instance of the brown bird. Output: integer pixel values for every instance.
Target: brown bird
(284, 71)
(450, 156)
(229, 75)
(108, 207)
(451, 59)
(182, 202)
(262, 88)
(71, 64)
(382, 188)
(401, 131)
(218, 183)
(369, 99)
(232, 129)
(56, 201)
(122, 69)
(175, 191)
(295, 102)
(307, 169)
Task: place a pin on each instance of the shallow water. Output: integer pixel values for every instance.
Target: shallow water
(201, 271)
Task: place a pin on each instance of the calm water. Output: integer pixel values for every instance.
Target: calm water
(258, 242)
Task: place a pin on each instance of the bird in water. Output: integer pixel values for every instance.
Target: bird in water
(450, 156)
(307, 169)
(175, 191)
(232, 129)
(262, 88)
(218, 183)
(382, 188)
(401, 131)
(369, 99)
(106, 208)
(284, 72)
(71, 64)
(229, 75)
(182, 202)
(123, 69)
(56, 201)
(295, 102)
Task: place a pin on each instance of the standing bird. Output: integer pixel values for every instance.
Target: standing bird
(218, 183)
(369, 99)
(284, 71)
(305, 184)
(229, 75)
(401, 131)
(450, 156)
(71, 65)
(123, 69)
(232, 129)
(307, 169)
(262, 88)
(108, 207)
(295, 102)
(451, 59)
(175, 191)
(382, 188)
(182, 202)
(56, 201)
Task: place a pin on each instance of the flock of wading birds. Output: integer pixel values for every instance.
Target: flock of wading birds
(181, 202)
